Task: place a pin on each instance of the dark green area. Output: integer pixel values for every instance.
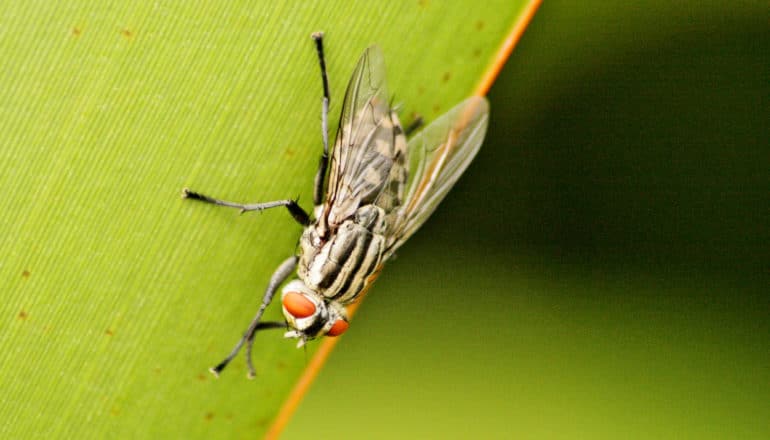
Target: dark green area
(602, 270)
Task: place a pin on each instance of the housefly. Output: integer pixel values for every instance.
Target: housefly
(380, 189)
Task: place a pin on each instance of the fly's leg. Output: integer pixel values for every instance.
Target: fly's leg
(318, 188)
(416, 123)
(295, 210)
(279, 276)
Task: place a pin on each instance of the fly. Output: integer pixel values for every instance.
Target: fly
(381, 188)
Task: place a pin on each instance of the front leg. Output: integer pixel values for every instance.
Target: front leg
(279, 276)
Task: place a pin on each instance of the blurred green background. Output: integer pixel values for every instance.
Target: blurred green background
(602, 270)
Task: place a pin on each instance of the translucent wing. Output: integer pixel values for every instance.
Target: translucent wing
(437, 156)
(368, 138)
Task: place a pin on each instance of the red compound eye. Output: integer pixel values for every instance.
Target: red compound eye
(298, 305)
(338, 328)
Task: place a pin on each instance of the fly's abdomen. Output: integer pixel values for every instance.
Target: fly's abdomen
(338, 269)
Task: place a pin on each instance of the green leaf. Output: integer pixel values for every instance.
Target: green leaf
(118, 294)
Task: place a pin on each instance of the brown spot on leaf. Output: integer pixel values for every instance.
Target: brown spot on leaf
(422, 3)
(128, 33)
(446, 77)
(76, 31)
(476, 53)
(479, 25)
(109, 332)
(208, 416)
(202, 377)
(25, 273)
(23, 315)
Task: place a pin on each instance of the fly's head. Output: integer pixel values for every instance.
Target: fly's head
(310, 315)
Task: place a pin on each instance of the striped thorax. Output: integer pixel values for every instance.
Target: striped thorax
(345, 246)
(332, 272)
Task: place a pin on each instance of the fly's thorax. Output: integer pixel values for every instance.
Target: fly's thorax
(309, 314)
(338, 268)
(371, 218)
